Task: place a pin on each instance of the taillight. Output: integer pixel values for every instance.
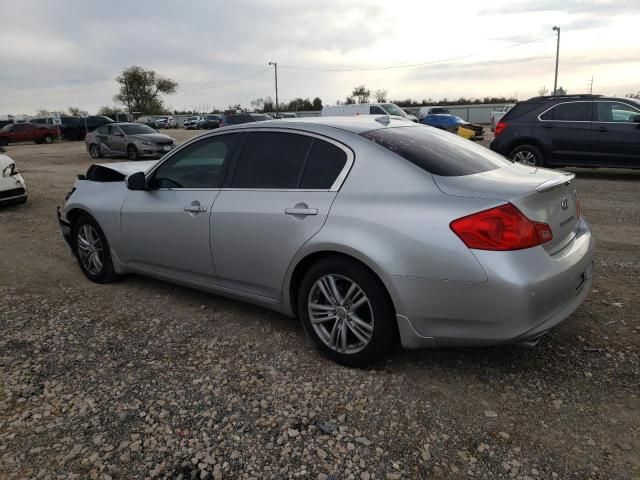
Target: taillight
(500, 126)
(501, 228)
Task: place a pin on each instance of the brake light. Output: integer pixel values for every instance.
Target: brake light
(500, 228)
(500, 126)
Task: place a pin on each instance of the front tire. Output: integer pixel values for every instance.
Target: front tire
(132, 153)
(95, 151)
(92, 250)
(48, 139)
(346, 311)
(527, 155)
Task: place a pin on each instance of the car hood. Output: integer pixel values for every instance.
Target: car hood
(154, 137)
(5, 161)
(127, 168)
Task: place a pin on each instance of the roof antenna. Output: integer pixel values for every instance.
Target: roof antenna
(385, 120)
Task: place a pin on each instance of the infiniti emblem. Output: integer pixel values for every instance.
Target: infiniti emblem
(564, 203)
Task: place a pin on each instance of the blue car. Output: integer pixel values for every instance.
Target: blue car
(451, 123)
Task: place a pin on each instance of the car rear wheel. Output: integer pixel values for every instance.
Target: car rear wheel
(132, 153)
(95, 151)
(92, 250)
(47, 139)
(527, 155)
(346, 311)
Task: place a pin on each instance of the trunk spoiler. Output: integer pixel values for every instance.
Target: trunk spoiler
(552, 183)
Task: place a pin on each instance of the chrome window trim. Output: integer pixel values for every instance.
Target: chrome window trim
(564, 121)
(586, 121)
(337, 184)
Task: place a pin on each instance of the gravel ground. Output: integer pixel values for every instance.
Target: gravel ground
(144, 379)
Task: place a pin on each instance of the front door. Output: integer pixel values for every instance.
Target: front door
(278, 197)
(568, 126)
(166, 229)
(116, 140)
(616, 135)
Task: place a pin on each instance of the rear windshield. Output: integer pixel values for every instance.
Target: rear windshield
(437, 152)
(521, 109)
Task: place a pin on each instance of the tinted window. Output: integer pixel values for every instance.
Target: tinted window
(238, 119)
(615, 112)
(114, 131)
(324, 164)
(103, 130)
(137, 129)
(271, 160)
(200, 165)
(437, 152)
(375, 110)
(260, 118)
(569, 112)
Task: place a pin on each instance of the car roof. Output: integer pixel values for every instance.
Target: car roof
(354, 124)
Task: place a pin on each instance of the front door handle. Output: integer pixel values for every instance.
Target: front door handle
(602, 129)
(195, 207)
(301, 211)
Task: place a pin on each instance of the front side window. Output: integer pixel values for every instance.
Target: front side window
(393, 109)
(114, 131)
(375, 110)
(271, 160)
(104, 130)
(436, 151)
(569, 112)
(137, 129)
(199, 165)
(615, 112)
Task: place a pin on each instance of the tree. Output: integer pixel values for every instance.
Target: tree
(543, 91)
(381, 95)
(110, 112)
(560, 91)
(316, 104)
(349, 101)
(633, 95)
(361, 93)
(268, 105)
(140, 90)
(257, 104)
(75, 111)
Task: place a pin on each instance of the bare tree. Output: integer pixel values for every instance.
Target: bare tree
(381, 95)
(543, 91)
(361, 93)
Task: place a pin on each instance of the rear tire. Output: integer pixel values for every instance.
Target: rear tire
(346, 311)
(527, 155)
(92, 250)
(132, 153)
(48, 139)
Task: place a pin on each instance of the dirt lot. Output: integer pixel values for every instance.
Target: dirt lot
(145, 379)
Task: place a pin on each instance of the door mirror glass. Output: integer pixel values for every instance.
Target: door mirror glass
(137, 181)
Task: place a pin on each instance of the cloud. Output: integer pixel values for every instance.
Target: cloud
(592, 7)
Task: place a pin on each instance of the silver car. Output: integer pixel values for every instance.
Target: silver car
(370, 230)
(135, 140)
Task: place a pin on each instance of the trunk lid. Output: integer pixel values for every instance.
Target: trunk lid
(542, 195)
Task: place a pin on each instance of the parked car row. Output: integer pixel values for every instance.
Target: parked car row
(27, 132)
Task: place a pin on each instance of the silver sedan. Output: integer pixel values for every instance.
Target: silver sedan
(134, 140)
(370, 230)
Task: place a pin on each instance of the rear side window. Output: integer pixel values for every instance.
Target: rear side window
(437, 152)
(324, 164)
(521, 109)
(271, 160)
(569, 112)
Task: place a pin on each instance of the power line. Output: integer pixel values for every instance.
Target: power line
(222, 83)
(408, 65)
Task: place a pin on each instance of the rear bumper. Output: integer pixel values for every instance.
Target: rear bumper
(527, 293)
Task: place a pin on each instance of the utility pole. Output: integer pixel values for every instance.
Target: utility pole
(555, 82)
(591, 86)
(275, 66)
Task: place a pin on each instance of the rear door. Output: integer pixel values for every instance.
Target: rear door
(279, 194)
(568, 127)
(166, 229)
(616, 134)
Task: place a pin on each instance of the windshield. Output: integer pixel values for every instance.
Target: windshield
(192, 118)
(393, 109)
(136, 129)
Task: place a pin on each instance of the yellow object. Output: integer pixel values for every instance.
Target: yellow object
(466, 133)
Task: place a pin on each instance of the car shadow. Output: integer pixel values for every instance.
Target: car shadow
(605, 173)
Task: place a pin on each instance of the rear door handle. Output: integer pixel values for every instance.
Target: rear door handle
(301, 211)
(195, 207)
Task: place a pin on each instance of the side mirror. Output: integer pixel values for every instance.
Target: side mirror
(137, 181)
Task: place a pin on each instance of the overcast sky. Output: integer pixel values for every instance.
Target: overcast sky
(62, 53)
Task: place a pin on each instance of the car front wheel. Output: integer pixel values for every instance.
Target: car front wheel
(346, 311)
(95, 151)
(92, 250)
(132, 152)
(527, 155)
(47, 139)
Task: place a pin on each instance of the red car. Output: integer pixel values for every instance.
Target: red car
(27, 132)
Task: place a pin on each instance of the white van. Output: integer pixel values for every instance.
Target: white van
(366, 109)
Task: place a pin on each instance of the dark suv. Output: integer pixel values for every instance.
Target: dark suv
(578, 131)
(238, 118)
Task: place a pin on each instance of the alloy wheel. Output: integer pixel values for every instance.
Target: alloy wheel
(90, 249)
(525, 157)
(340, 314)
(95, 151)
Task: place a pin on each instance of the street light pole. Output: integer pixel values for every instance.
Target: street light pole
(275, 65)
(555, 82)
